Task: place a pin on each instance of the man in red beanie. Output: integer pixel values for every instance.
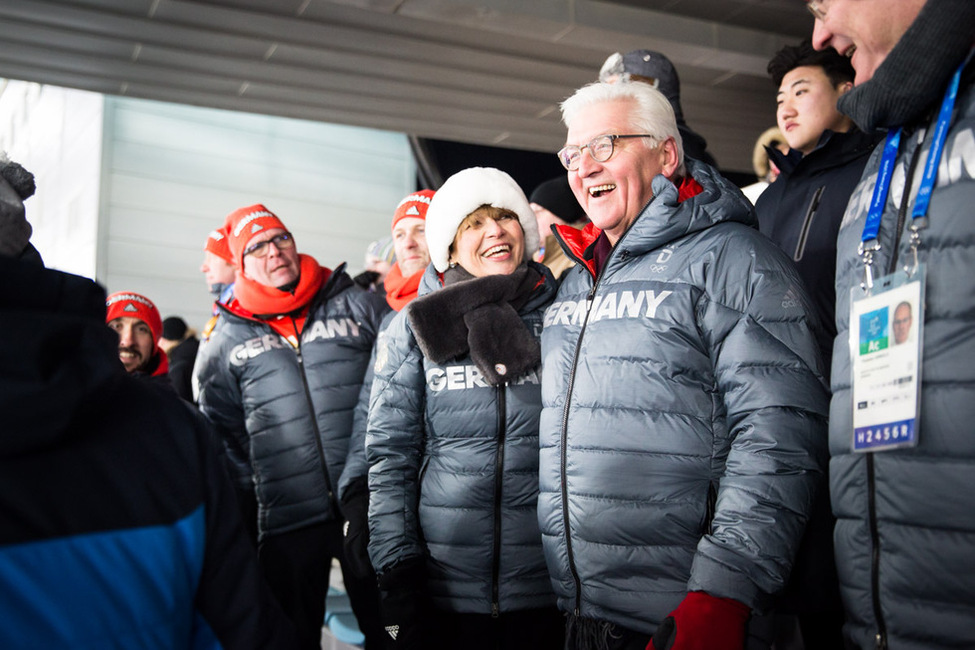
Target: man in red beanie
(139, 326)
(220, 272)
(402, 286)
(410, 245)
(218, 264)
(280, 378)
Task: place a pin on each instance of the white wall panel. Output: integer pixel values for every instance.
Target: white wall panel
(56, 134)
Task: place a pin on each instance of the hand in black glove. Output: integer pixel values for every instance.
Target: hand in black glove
(355, 509)
(403, 604)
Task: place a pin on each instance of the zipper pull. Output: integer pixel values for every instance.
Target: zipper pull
(881, 642)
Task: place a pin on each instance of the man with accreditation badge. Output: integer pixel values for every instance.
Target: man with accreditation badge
(903, 376)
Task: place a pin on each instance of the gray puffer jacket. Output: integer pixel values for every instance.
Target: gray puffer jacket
(453, 475)
(905, 530)
(289, 410)
(683, 431)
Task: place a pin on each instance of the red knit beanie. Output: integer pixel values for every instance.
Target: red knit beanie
(244, 223)
(415, 205)
(219, 244)
(133, 305)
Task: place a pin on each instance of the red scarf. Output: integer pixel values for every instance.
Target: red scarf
(399, 290)
(163, 367)
(252, 299)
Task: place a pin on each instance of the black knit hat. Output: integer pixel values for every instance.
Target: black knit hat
(556, 196)
(174, 328)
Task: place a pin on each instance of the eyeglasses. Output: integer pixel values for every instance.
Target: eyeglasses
(600, 149)
(817, 8)
(281, 242)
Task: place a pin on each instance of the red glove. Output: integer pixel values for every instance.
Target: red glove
(703, 622)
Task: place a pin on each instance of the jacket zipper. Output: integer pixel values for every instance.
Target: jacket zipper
(807, 223)
(314, 420)
(498, 487)
(880, 638)
(568, 398)
(563, 460)
(565, 432)
(878, 614)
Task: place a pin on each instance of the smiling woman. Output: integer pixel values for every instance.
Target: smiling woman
(457, 393)
(489, 241)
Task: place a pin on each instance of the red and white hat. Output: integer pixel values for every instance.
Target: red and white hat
(134, 305)
(415, 206)
(244, 223)
(219, 244)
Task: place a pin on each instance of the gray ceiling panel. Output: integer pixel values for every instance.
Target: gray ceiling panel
(479, 71)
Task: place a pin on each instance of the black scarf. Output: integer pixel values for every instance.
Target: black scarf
(915, 74)
(479, 316)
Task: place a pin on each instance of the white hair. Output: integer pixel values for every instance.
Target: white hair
(651, 113)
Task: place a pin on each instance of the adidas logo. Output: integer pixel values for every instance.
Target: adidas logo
(790, 300)
(412, 211)
(239, 228)
(256, 228)
(130, 307)
(393, 630)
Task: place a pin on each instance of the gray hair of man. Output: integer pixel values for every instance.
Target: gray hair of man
(651, 112)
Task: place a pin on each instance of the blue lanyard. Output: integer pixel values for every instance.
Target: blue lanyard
(871, 228)
(937, 148)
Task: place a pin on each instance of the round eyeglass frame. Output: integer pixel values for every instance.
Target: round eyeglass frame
(592, 146)
(817, 8)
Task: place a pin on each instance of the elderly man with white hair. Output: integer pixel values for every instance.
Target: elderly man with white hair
(683, 431)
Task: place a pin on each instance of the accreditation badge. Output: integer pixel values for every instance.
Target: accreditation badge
(886, 331)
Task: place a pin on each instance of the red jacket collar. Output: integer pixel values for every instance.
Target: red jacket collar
(579, 241)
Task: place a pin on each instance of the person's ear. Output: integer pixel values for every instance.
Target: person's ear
(845, 87)
(667, 150)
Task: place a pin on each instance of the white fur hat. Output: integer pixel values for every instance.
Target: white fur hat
(466, 191)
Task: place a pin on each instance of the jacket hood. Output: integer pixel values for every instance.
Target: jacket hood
(60, 356)
(666, 219)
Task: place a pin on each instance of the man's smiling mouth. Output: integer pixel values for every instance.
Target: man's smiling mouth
(598, 190)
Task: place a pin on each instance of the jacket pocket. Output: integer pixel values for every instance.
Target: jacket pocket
(710, 508)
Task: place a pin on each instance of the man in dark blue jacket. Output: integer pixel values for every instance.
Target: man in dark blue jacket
(118, 527)
(801, 211)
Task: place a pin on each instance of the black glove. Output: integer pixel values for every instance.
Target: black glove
(403, 604)
(355, 509)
